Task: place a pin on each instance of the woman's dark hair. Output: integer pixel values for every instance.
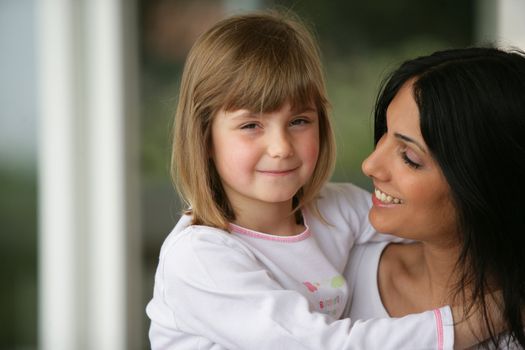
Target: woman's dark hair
(472, 117)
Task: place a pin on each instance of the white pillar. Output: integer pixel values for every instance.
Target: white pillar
(502, 23)
(511, 23)
(59, 229)
(89, 259)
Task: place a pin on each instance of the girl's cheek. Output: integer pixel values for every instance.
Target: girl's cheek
(313, 154)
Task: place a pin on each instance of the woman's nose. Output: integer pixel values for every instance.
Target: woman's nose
(374, 165)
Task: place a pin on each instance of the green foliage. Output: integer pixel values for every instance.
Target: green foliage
(360, 42)
(18, 254)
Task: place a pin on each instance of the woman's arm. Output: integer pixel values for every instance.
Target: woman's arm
(471, 329)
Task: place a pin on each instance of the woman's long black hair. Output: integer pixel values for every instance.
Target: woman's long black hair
(472, 118)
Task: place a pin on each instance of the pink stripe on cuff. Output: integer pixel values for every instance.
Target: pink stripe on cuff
(439, 324)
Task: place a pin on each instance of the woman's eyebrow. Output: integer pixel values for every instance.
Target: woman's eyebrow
(410, 140)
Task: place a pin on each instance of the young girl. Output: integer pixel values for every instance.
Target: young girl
(256, 262)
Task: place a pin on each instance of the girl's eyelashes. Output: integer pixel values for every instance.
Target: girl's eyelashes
(300, 121)
(249, 126)
(294, 122)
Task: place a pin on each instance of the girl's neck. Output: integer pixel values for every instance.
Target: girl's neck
(271, 218)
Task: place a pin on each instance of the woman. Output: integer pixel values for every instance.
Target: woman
(448, 172)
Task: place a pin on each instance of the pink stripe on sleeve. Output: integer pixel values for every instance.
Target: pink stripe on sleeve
(439, 324)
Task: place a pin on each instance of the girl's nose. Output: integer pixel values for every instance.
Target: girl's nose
(280, 145)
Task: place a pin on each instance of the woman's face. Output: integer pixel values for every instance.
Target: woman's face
(412, 199)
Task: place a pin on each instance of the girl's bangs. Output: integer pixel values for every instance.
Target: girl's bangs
(263, 89)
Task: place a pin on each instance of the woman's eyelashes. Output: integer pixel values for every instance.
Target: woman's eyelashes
(410, 158)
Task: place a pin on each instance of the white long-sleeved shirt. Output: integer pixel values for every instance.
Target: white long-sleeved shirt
(251, 290)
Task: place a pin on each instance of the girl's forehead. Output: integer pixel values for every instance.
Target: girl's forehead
(268, 106)
(285, 107)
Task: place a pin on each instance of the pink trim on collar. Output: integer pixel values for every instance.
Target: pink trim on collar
(260, 235)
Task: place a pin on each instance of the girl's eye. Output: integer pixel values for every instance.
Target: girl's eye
(300, 121)
(249, 126)
(408, 158)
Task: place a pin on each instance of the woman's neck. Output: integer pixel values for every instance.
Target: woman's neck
(418, 277)
(439, 271)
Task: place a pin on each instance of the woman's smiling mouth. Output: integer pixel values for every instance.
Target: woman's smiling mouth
(385, 198)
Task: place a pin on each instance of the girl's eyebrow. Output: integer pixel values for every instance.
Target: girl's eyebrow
(410, 140)
(243, 114)
(247, 114)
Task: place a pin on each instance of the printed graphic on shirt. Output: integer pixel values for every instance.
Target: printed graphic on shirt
(327, 295)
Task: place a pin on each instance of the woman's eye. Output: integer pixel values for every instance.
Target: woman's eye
(408, 159)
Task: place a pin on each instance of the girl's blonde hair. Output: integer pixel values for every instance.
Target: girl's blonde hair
(258, 62)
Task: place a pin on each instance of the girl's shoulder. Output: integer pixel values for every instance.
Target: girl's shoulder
(343, 209)
(186, 238)
(343, 196)
(190, 252)
(344, 191)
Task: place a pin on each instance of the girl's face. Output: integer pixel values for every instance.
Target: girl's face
(412, 198)
(264, 158)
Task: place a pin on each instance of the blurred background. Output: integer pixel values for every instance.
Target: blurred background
(87, 95)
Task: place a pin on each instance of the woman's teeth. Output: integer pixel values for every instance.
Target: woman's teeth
(386, 198)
